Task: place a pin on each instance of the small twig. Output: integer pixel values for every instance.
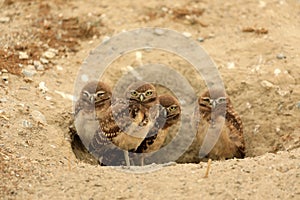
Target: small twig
(208, 168)
(4, 117)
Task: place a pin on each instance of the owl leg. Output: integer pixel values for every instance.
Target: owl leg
(142, 159)
(126, 156)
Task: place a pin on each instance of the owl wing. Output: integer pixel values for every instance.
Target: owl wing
(115, 120)
(78, 106)
(151, 136)
(235, 125)
(104, 150)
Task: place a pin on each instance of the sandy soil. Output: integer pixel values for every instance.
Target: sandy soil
(255, 45)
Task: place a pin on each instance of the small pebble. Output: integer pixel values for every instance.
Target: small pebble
(42, 87)
(105, 39)
(159, 31)
(23, 55)
(277, 72)
(3, 100)
(262, 4)
(29, 71)
(49, 54)
(282, 93)
(164, 9)
(4, 76)
(248, 105)
(38, 65)
(187, 34)
(60, 68)
(280, 56)
(266, 84)
(4, 19)
(44, 60)
(230, 65)
(26, 124)
(298, 104)
(48, 98)
(256, 128)
(38, 117)
(200, 39)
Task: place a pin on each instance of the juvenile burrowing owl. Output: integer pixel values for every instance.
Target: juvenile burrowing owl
(169, 114)
(94, 100)
(215, 108)
(126, 124)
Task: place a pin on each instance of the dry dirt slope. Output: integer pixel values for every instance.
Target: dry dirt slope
(250, 43)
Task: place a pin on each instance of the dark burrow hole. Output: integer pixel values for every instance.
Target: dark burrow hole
(83, 155)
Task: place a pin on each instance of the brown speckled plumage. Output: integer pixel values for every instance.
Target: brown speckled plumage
(95, 98)
(216, 108)
(125, 125)
(169, 115)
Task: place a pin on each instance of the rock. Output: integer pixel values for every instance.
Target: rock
(42, 87)
(248, 105)
(38, 117)
(23, 55)
(230, 65)
(187, 34)
(159, 31)
(281, 56)
(266, 84)
(4, 19)
(26, 124)
(29, 71)
(44, 60)
(60, 68)
(38, 65)
(3, 100)
(105, 39)
(50, 53)
(4, 76)
(48, 98)
(200, 39)
(298, 104)
(277, 71)
(282, 93)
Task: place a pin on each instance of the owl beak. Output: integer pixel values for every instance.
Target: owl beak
(142, 97)
(92, 99)
(213, 104)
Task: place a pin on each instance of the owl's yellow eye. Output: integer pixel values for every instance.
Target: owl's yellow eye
(149, 93)
(134, 93)
(85, 94)
(172, 108)
(207, 99)
(221, 100)
(100, 93)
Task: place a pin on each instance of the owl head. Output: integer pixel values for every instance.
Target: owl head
(96, 93)
(172, 108)
(141, 93)
(214, 101)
